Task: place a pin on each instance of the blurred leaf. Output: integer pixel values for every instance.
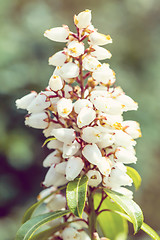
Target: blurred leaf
(129, 206)
(135, 177)
(112, 225)
(27, 230)
(76, 195)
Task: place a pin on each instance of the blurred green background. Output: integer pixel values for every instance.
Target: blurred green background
(135, 29)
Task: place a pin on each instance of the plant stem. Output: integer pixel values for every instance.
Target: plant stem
(92, 214)
(81, 77)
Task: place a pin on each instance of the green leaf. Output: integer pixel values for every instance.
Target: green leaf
(147, 229)
(48, 140)
(129, 206)
(44, 235)
(27, 230)
(30, 210)
(76, 195)
(113, 226)
(135, 177)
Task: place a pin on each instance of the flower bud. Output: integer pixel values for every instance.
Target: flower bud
(54, 144)
(37, 120)
(105, 140)
(25, 101)
(64, 107)
(61, 167)
(104, 166)
(39, 104)
(70, 233)
(55, 83)
(69, 70)
(66, 135)
(57, 202)
(100, 53)
(91, 63)
(75, 48)
(52, 158)
(90, 135)
(123, 139)
(73, 168)
(70, 149)
(58, 59)
(92, 153)
(125, 156)
(58, 34)
(104, 75)
(81, 103)
(83, 19)
(132, 128)
(127, 102)
(85, 117)
(94, 177)
(99, 39)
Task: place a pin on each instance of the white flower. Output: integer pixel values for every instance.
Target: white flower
(57, 202)
(75, 48)
(70, 149)
(105, 140)
(64, 107)
(125, 156)
(66, 135)
(55, 144)
(69, 70)
(83, 19)
(44, 193)
(37, 120)
(61, 167)
(73, 168)
(94, 177)
(90, 135)
(92, 153)
(104, 166)
(54, 178)
(55, 83)
(123, 139)
(100, 53)
(58, 59)
(91, 63)
(132, 128)
(25, 101)
(85, 117)
(58, 34)
(104, 74)
(127, 102)
(99, 39)
(81, 103)
(39, 103)
(52, 158)
(70, 233)
(48, 130)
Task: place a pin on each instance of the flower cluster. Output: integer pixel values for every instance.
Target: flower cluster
(81, 113)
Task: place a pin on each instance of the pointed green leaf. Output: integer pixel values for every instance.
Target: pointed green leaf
(48, 140)
(30, 210)
(113, 226)
(76, 195)
(44, 235)
(129, 206)
(147, 229)
(132, 173)
(27, 230)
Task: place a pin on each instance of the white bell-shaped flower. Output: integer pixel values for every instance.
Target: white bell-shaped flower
(132, 128)
(70, 233)
(127, 102)
(58, 59)
(117, 178)
(123, 139)
(104, 166)
(52, 158)
(55, 144)
(101, 53)
(104, 74)
(108, 105)
(83, 19)
(90, 135)
(57, 202)
(64, 107)
(61, 167)
(105, 140)
(55, 83)
(94, 178)
(81, 103)
(69, 70)
(125, 156)
(99, 39)
(39, 103)
(85, 117)
(54, 178)
(73, 168)
(37, 120)
(66, 135)
(92, 153)
(25, 101)
(57, 34)
(70, 149)
(75, 48)
(90, 63)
